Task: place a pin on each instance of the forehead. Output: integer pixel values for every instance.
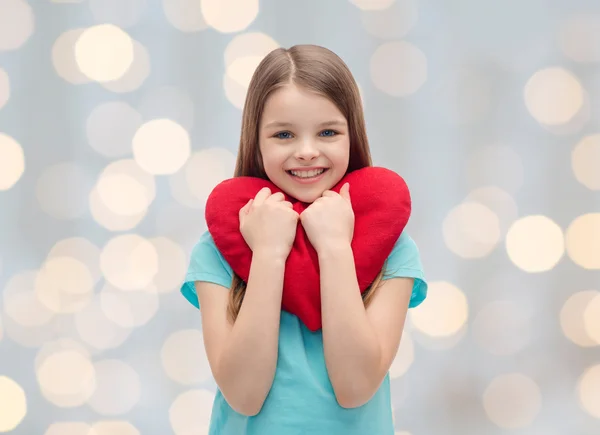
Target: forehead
(295, 105)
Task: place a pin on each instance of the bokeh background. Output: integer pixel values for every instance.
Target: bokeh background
(117, 117)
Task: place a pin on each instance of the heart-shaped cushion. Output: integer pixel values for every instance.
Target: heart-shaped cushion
(381, 203)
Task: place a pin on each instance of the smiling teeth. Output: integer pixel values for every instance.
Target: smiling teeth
(307, 174)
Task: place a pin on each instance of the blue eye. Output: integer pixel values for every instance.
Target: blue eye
(281, 134)
(331, 133)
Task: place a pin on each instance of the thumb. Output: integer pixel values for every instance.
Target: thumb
(345, 192)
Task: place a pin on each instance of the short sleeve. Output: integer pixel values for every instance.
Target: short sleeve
(405, 262)
(208, 265)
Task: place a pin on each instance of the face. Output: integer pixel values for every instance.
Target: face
(304, 142)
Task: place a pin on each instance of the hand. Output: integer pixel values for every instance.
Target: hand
(268, 223)
(329, 221)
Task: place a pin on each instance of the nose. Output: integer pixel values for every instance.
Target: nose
(307, 150)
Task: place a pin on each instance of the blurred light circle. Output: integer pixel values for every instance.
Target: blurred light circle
(588, 389)
(172, 265)
(129, 262)
(129, 309)
(136, 74)
(217, 14)
(13, 402)
(64, 284)
(17, 23)
(97, 330)
(12, 162)
(535, 243)
(583, 241)
(161, 146)
(391, 24)
(63, 57)
(553, 96)
(184, 359)
(512, 401)
(585, 161)
(445, 313)
(190, 412)
(398, 68)
(242, 56)
(576, 321)
(471, 230)
(66, 378)
(579, 38)
(20, 301)
(104, 52)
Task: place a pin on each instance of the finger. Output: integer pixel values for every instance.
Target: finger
(278, 196)
(345, 192)
(245, 210)
(287, 204)
(329, 193)
(262, 196)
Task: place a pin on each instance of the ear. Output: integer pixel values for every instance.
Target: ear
(345, 192)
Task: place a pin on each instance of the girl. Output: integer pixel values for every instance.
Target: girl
(303, 129)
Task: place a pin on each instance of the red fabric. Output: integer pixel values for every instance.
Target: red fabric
(381, 203)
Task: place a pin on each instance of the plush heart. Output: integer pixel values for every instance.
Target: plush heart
(381, 203)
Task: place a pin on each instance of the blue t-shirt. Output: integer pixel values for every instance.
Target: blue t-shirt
(301, 399)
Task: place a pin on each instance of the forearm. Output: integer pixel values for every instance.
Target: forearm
(352, 352)
(249, 358)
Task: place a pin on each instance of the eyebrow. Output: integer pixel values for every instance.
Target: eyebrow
(331, 123)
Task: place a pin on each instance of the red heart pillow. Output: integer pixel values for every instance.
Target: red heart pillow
(381, 203)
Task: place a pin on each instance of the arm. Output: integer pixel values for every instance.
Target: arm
(243, 356)
(359, 345)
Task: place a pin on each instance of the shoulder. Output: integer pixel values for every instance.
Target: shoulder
(206, 264)
(405, 262)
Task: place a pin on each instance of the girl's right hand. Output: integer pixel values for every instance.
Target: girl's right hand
(268, 223)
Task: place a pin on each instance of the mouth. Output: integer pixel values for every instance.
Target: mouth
(307, 176)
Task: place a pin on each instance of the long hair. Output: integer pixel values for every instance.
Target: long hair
(316, 69)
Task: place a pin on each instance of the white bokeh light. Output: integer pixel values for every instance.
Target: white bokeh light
(63, 57)
(217, 14)
(535, 243)
(13, 402)
(161, 146)
(553, 96)
(471, 230)
(184, 359)
(17, 23)
(129, 262)
(398, 68)
(104, 52)
(136, 74)
(12, 162)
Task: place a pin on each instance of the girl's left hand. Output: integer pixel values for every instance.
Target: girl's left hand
(329, 221)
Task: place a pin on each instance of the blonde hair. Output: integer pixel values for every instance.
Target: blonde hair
(313, 68)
